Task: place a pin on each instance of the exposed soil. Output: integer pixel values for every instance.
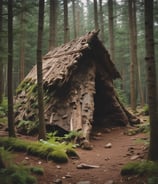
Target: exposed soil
(108, 160)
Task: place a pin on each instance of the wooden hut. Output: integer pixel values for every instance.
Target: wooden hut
(78, 89)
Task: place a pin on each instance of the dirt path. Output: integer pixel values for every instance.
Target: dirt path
(109, 160)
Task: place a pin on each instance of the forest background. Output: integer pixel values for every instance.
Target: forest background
(122, 31)
(126, 30)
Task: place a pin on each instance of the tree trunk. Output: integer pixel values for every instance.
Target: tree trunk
(22, 44)
(133, 55)
(42, 129)
(52, 24)
(140, 88)
(1, 80)
(78, 20)
(101, 20)
(111, 29)
(1, 62)
(10, 66)
(151, 80)
(66, 25)
(139, 83)
(96, 15)
(74, 18)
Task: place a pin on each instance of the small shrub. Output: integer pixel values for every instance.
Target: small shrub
(14, 174)
(153, 180)
(52, 137)
(22, 175)
(141, 128)
(145, 167)
(73, 136)
(27, 127)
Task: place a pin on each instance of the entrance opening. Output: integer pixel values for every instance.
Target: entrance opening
(104, 107)
(99, 103)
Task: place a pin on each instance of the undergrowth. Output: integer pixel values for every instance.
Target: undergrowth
(11, 173)
(122, 96)
(3, 111)
(56, 151)
(146, 110)
(28, 127)
(141, 128)
(72, 136)
(143, 168)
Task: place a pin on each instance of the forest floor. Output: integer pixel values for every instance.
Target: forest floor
(107, 161)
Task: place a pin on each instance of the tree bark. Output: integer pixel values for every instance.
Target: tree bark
(1, 62)
(78, 20)
(139, 83)
(101, 20)
(52, 24)
(96, 15)
(74, 18)
(66, 24)
(9, 73)
(111, 29)
(133, 46)
(22, 44)
(42, 129)
(151, 80)
(140, 88)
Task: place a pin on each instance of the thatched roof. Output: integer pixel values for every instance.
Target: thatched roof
(59, 64)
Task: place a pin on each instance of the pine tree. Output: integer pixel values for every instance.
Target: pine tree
(42, 129)
(151, 79)
(10, 68)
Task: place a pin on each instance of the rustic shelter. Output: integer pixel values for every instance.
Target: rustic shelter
(78, 89)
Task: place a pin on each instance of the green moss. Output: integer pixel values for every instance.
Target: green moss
(71, 153)
(3, 107)
(32, 89)
(146, 110)
(3, 120)
(58, 156)
(145, 167)
(37, 170)
(21, 175)
(5, 158)
(14, 174)
(23, 85)
(4, 103)
(56, 151)
(141, 128)
(39, 150)
(13, 143)
(28, 86)
(17, 105)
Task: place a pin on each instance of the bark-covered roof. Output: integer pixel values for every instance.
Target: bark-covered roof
(59, 64)
(78, 88)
